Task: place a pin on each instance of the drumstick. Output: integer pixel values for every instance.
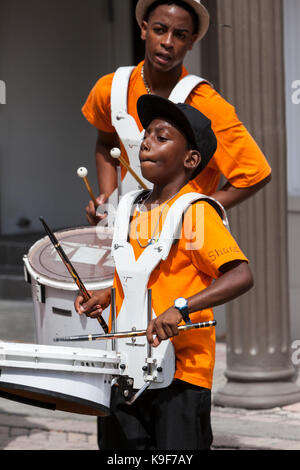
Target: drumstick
(116, 153)
(82, 173)
(86, 296)
(131, 334)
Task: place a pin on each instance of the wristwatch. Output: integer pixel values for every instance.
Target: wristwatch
(182, 305)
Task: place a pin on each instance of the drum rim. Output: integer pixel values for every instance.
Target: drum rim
(71, 286)
(65, 285)
(80, 401)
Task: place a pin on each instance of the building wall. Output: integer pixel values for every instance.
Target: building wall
(292, 79)
(51, 54)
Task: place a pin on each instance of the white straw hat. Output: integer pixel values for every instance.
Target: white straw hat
(200, 10)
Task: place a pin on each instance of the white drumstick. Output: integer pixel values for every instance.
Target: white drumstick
(82, 173)
(116, 153)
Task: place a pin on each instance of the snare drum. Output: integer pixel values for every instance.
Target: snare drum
(53, 289)
(75, 380)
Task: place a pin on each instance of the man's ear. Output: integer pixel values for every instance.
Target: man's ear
(193, 40)
(144, 28)
(192, 159)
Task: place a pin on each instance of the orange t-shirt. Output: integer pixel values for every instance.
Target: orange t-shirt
(238, 157)
(194, 261)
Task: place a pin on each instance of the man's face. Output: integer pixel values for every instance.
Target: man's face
(163, 152)
(169, 35)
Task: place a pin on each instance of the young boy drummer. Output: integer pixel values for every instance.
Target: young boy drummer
(177, 145)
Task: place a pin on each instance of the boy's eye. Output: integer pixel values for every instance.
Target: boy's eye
(161, 138)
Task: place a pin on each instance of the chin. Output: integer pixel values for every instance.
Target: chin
(147, 175)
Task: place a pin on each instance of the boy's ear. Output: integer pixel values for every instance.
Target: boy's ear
(144, 28)
(192, 159)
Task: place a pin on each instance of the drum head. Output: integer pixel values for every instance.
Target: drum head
(88, 249)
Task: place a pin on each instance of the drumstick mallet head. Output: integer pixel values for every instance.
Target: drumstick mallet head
(116, 153)
(82, 173)
(71, 269)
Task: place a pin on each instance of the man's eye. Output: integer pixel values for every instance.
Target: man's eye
(161, 138)
(180, 35)
(158, 30)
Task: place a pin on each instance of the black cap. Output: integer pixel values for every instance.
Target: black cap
(192, 123)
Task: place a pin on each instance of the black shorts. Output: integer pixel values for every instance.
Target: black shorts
(173, 418)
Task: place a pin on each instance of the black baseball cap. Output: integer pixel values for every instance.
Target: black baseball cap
(192, 123)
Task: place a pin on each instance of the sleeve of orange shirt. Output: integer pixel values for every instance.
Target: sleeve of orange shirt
(238, 157)
(210, 243)
(97, 109)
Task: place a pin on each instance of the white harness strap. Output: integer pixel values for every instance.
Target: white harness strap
(126, 127)
(134, 276)
(184, 87)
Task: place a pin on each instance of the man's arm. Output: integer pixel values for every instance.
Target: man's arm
(229, 196)
(106, 172)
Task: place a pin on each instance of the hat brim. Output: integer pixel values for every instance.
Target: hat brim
(152, 107)
(201, 11)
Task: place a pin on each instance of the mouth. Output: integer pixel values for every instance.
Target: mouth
(146, 160)
(163, 58)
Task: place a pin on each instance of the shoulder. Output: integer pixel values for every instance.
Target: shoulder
(103, 84)
(202, 213)
(207, 100)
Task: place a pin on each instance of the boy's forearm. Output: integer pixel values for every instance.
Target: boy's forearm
(232, 283)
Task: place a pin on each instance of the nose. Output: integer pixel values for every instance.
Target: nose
(167, 40)
(145, 144)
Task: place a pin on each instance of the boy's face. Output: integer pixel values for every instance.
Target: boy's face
(164, 153)
(169, 35)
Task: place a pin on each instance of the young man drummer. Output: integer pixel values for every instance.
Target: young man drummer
(170, 29)
(177, 147)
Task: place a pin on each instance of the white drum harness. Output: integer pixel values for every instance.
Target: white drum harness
(148, 367)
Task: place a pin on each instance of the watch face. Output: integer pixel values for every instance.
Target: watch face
(181, 302)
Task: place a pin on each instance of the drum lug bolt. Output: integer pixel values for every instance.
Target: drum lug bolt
(126, 393)
(159, 369)
(122, 366)
(145, 368)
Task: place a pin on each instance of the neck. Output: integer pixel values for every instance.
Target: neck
(162, 193)
(161, 83)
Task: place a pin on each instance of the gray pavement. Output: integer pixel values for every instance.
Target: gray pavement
(24, 427)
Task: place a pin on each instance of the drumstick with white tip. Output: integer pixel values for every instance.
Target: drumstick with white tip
(82, 173)
(116, 153)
